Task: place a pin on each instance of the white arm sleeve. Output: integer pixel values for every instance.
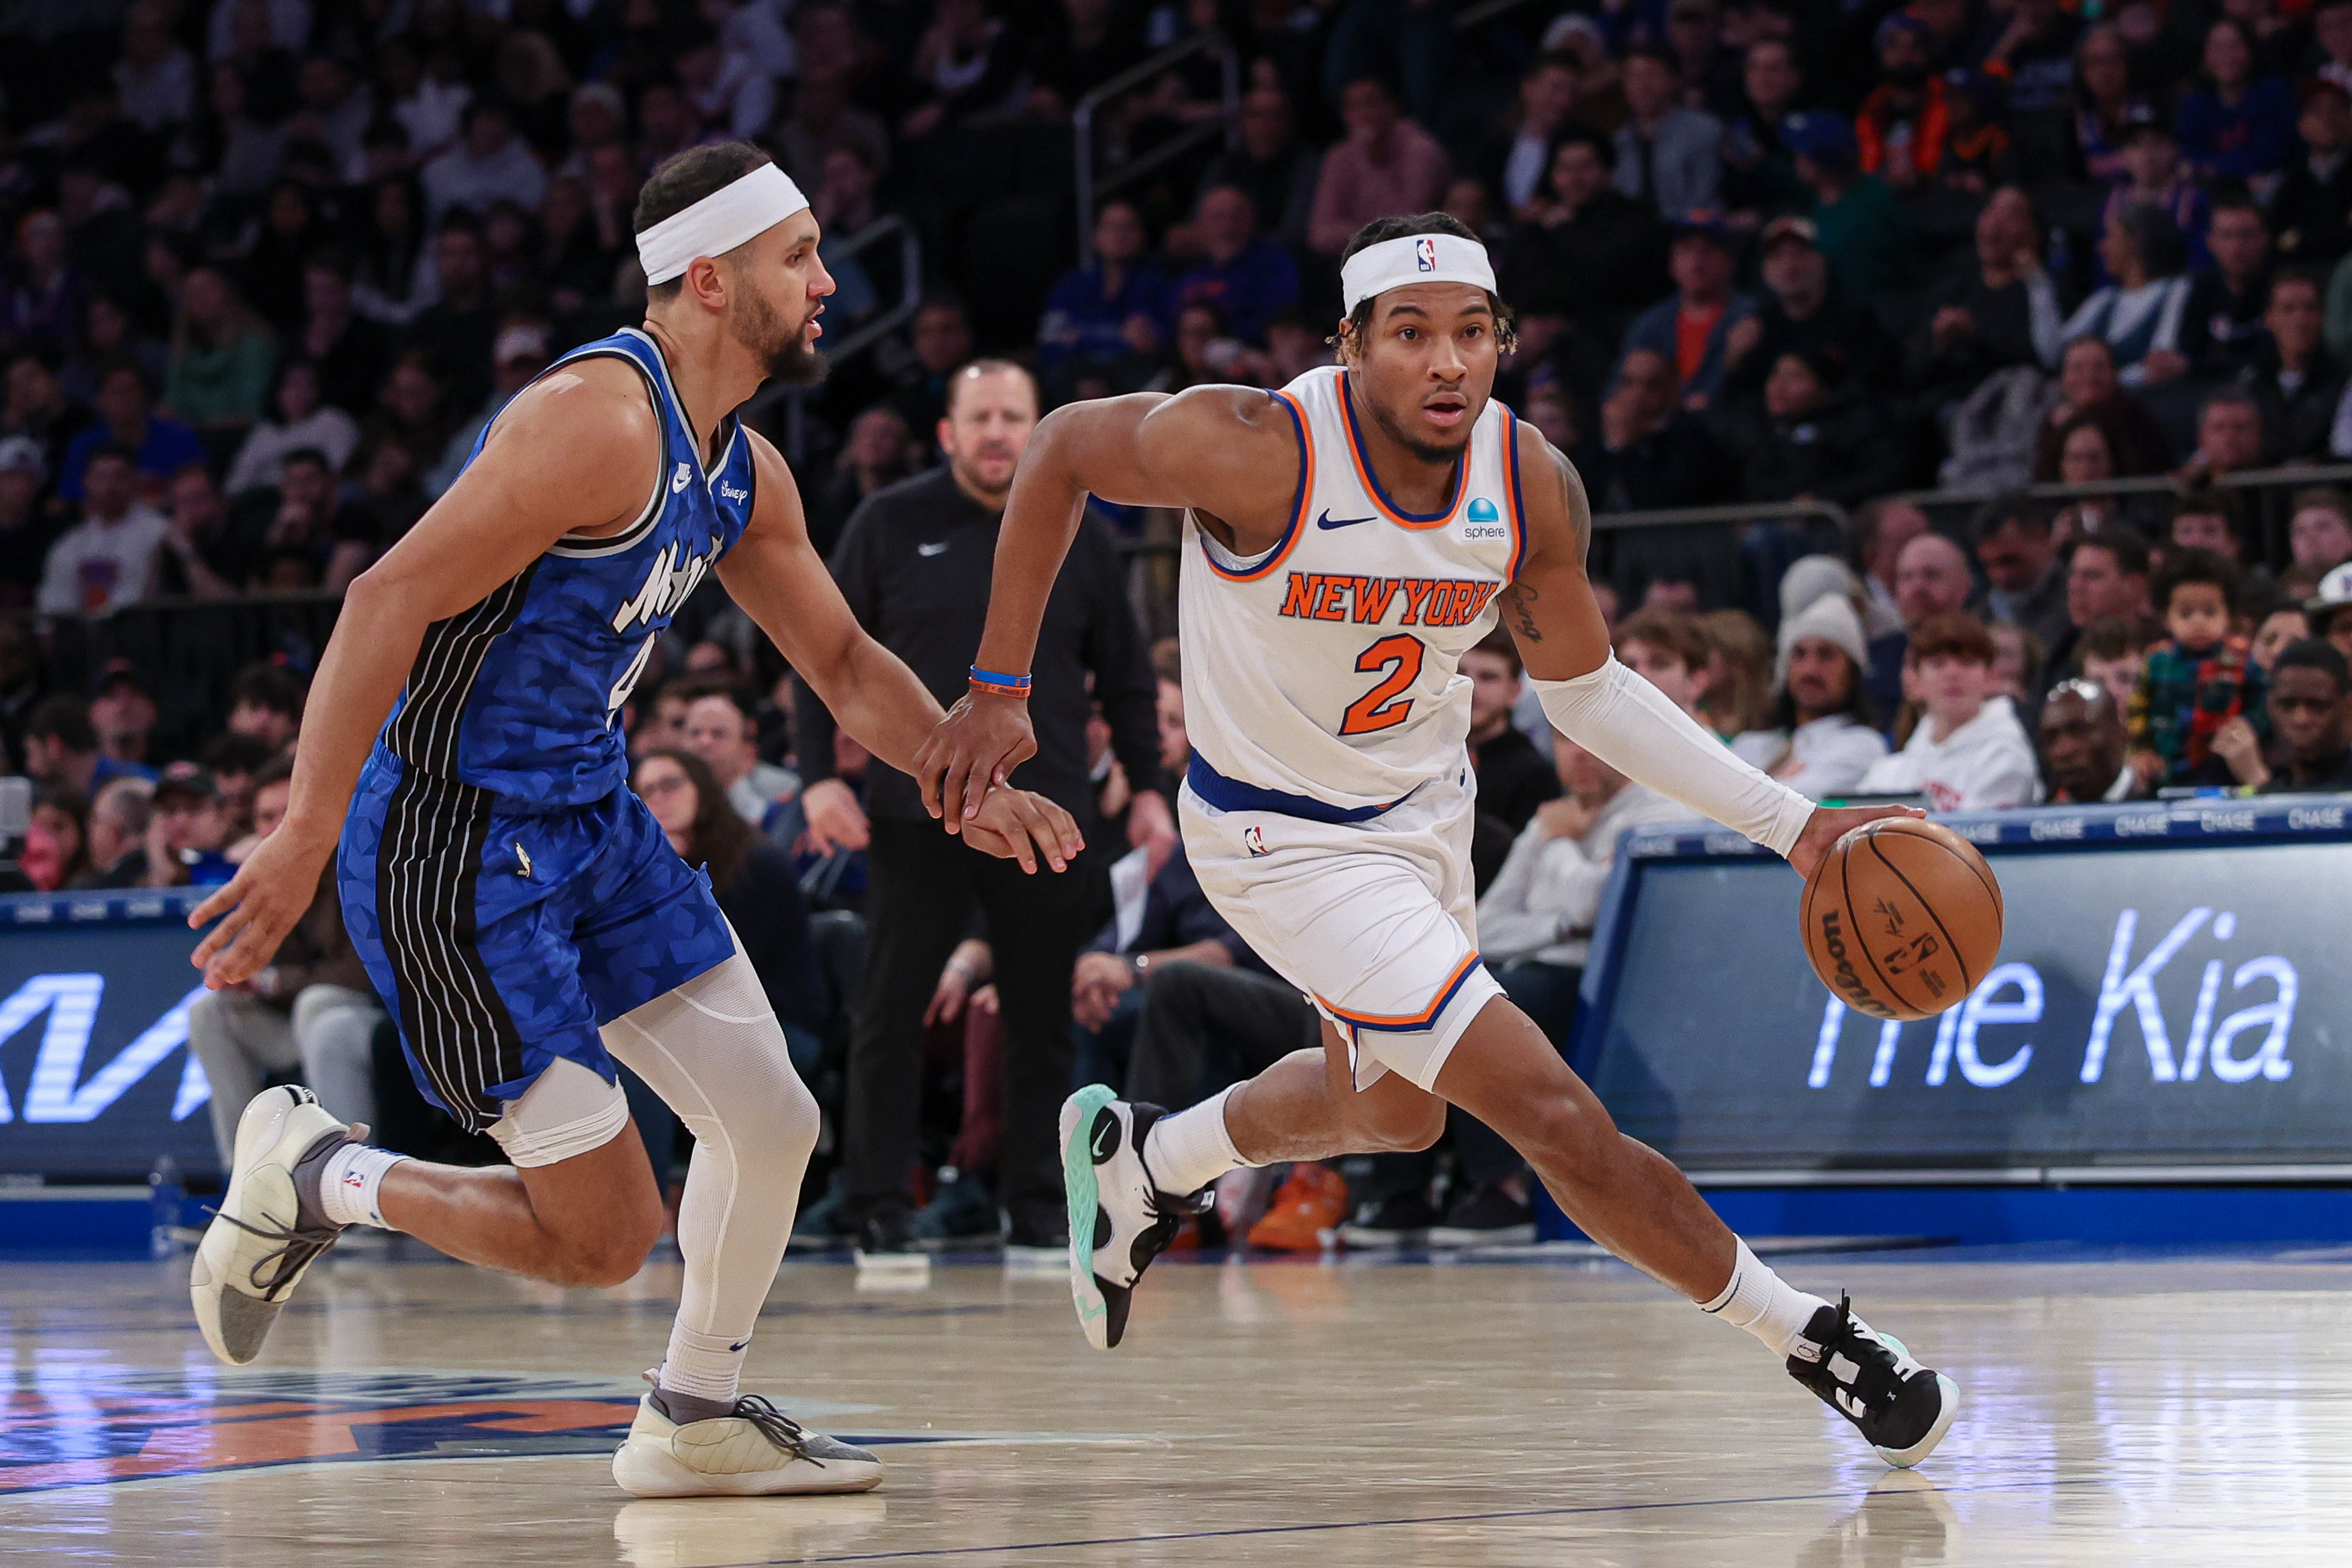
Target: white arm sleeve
(1631, 726)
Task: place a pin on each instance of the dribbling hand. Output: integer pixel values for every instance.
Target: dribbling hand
(270, 892)
(1014, 824)
(1828, 825)
(970, 752)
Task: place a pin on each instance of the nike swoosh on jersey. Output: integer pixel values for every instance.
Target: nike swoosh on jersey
(678, 482)
(1328, 520)
(939, 549)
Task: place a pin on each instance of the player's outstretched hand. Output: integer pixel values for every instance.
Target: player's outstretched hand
(1014, 824)
(1830, 823)
(970, 752)
(258, 907)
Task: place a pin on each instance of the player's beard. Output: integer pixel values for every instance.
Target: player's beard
(1431, 452)
(791, 357)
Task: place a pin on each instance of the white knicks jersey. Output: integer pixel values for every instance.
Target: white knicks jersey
(1324, 671)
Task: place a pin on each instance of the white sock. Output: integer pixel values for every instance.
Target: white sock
(1187, 1151)
(703, 1365)
(1764, 1304)
(350, 1181)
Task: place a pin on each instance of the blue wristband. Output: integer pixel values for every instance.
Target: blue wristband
(1002, 685)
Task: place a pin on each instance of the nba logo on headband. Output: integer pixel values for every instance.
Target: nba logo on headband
(1411, 259)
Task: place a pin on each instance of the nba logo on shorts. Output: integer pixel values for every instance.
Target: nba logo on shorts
(1255, 836)
(1424, 254)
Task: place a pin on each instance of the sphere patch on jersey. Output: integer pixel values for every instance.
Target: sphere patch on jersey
(1484, 511)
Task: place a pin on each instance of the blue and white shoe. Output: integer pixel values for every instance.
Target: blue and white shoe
(1901, 1408)
(1120, 1219)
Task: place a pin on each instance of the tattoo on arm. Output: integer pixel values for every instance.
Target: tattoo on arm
(1519, 609)
(1579, 507)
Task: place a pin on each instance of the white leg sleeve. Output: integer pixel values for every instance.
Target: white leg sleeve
(1633, 727)
(713, 1050)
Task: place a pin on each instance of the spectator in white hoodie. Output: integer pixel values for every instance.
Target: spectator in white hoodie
(1535, 921)
(1968, 752)
(1823, 736)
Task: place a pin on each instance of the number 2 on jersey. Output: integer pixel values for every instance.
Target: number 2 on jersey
(1380, 708)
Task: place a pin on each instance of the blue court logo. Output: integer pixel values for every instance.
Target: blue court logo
(1484, 511)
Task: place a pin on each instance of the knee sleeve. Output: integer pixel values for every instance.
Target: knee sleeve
(714, 1052)
(569, 1110)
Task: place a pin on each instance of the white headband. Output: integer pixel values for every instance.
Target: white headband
(1414, 258)
(720, 222)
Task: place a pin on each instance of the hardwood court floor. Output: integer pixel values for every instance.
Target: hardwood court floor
(2157, 1411)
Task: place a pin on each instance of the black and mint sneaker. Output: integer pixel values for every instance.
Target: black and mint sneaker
(1120, 1219)
(1401, 1220)
(1485, 1216)
(1901, 1408)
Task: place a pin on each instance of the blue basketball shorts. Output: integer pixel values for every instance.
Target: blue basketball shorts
(503, 939)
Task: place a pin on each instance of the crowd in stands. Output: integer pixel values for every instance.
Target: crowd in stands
(272, 265)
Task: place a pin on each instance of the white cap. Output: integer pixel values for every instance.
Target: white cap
(1831, 618)
(2335, 592)
(1811, 576)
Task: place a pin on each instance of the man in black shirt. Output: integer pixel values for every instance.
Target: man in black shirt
(914, 565)
(458, 329)
(2000, 308)
(2311, 209)
(2311, 713)
(1513, 778)
(1802, 314)
(2222, 321)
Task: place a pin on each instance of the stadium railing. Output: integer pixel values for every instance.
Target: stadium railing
(189, 651)
(1092, 184)
(193, 648)
(2265, 500)
(858, 339)
(1826, 512)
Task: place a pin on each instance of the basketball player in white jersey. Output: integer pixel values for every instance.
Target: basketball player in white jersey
(1347, 540)
(518, 906)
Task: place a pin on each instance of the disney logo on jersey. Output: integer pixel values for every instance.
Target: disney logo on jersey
(731, 493)
(670, 581)
(1367, 601)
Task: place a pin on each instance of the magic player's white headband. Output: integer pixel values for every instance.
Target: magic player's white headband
(1414, 258)
(720, 222)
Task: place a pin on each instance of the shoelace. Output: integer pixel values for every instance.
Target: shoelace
(300, 1246)
(1880, 1358)
(776, 1427)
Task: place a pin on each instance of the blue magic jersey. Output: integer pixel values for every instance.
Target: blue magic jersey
(520, 695)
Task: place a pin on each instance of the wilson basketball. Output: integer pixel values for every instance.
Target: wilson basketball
(1902, 917)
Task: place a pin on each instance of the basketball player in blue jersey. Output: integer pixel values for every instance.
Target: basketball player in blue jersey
(517, 908)
(1348, 538)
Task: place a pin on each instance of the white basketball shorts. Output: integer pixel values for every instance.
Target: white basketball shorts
(1375, 922)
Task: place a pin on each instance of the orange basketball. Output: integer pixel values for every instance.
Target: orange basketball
(1902, 917)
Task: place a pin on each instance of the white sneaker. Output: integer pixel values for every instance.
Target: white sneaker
(1120, 1219)
(257, 1247)
(755, 1450)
